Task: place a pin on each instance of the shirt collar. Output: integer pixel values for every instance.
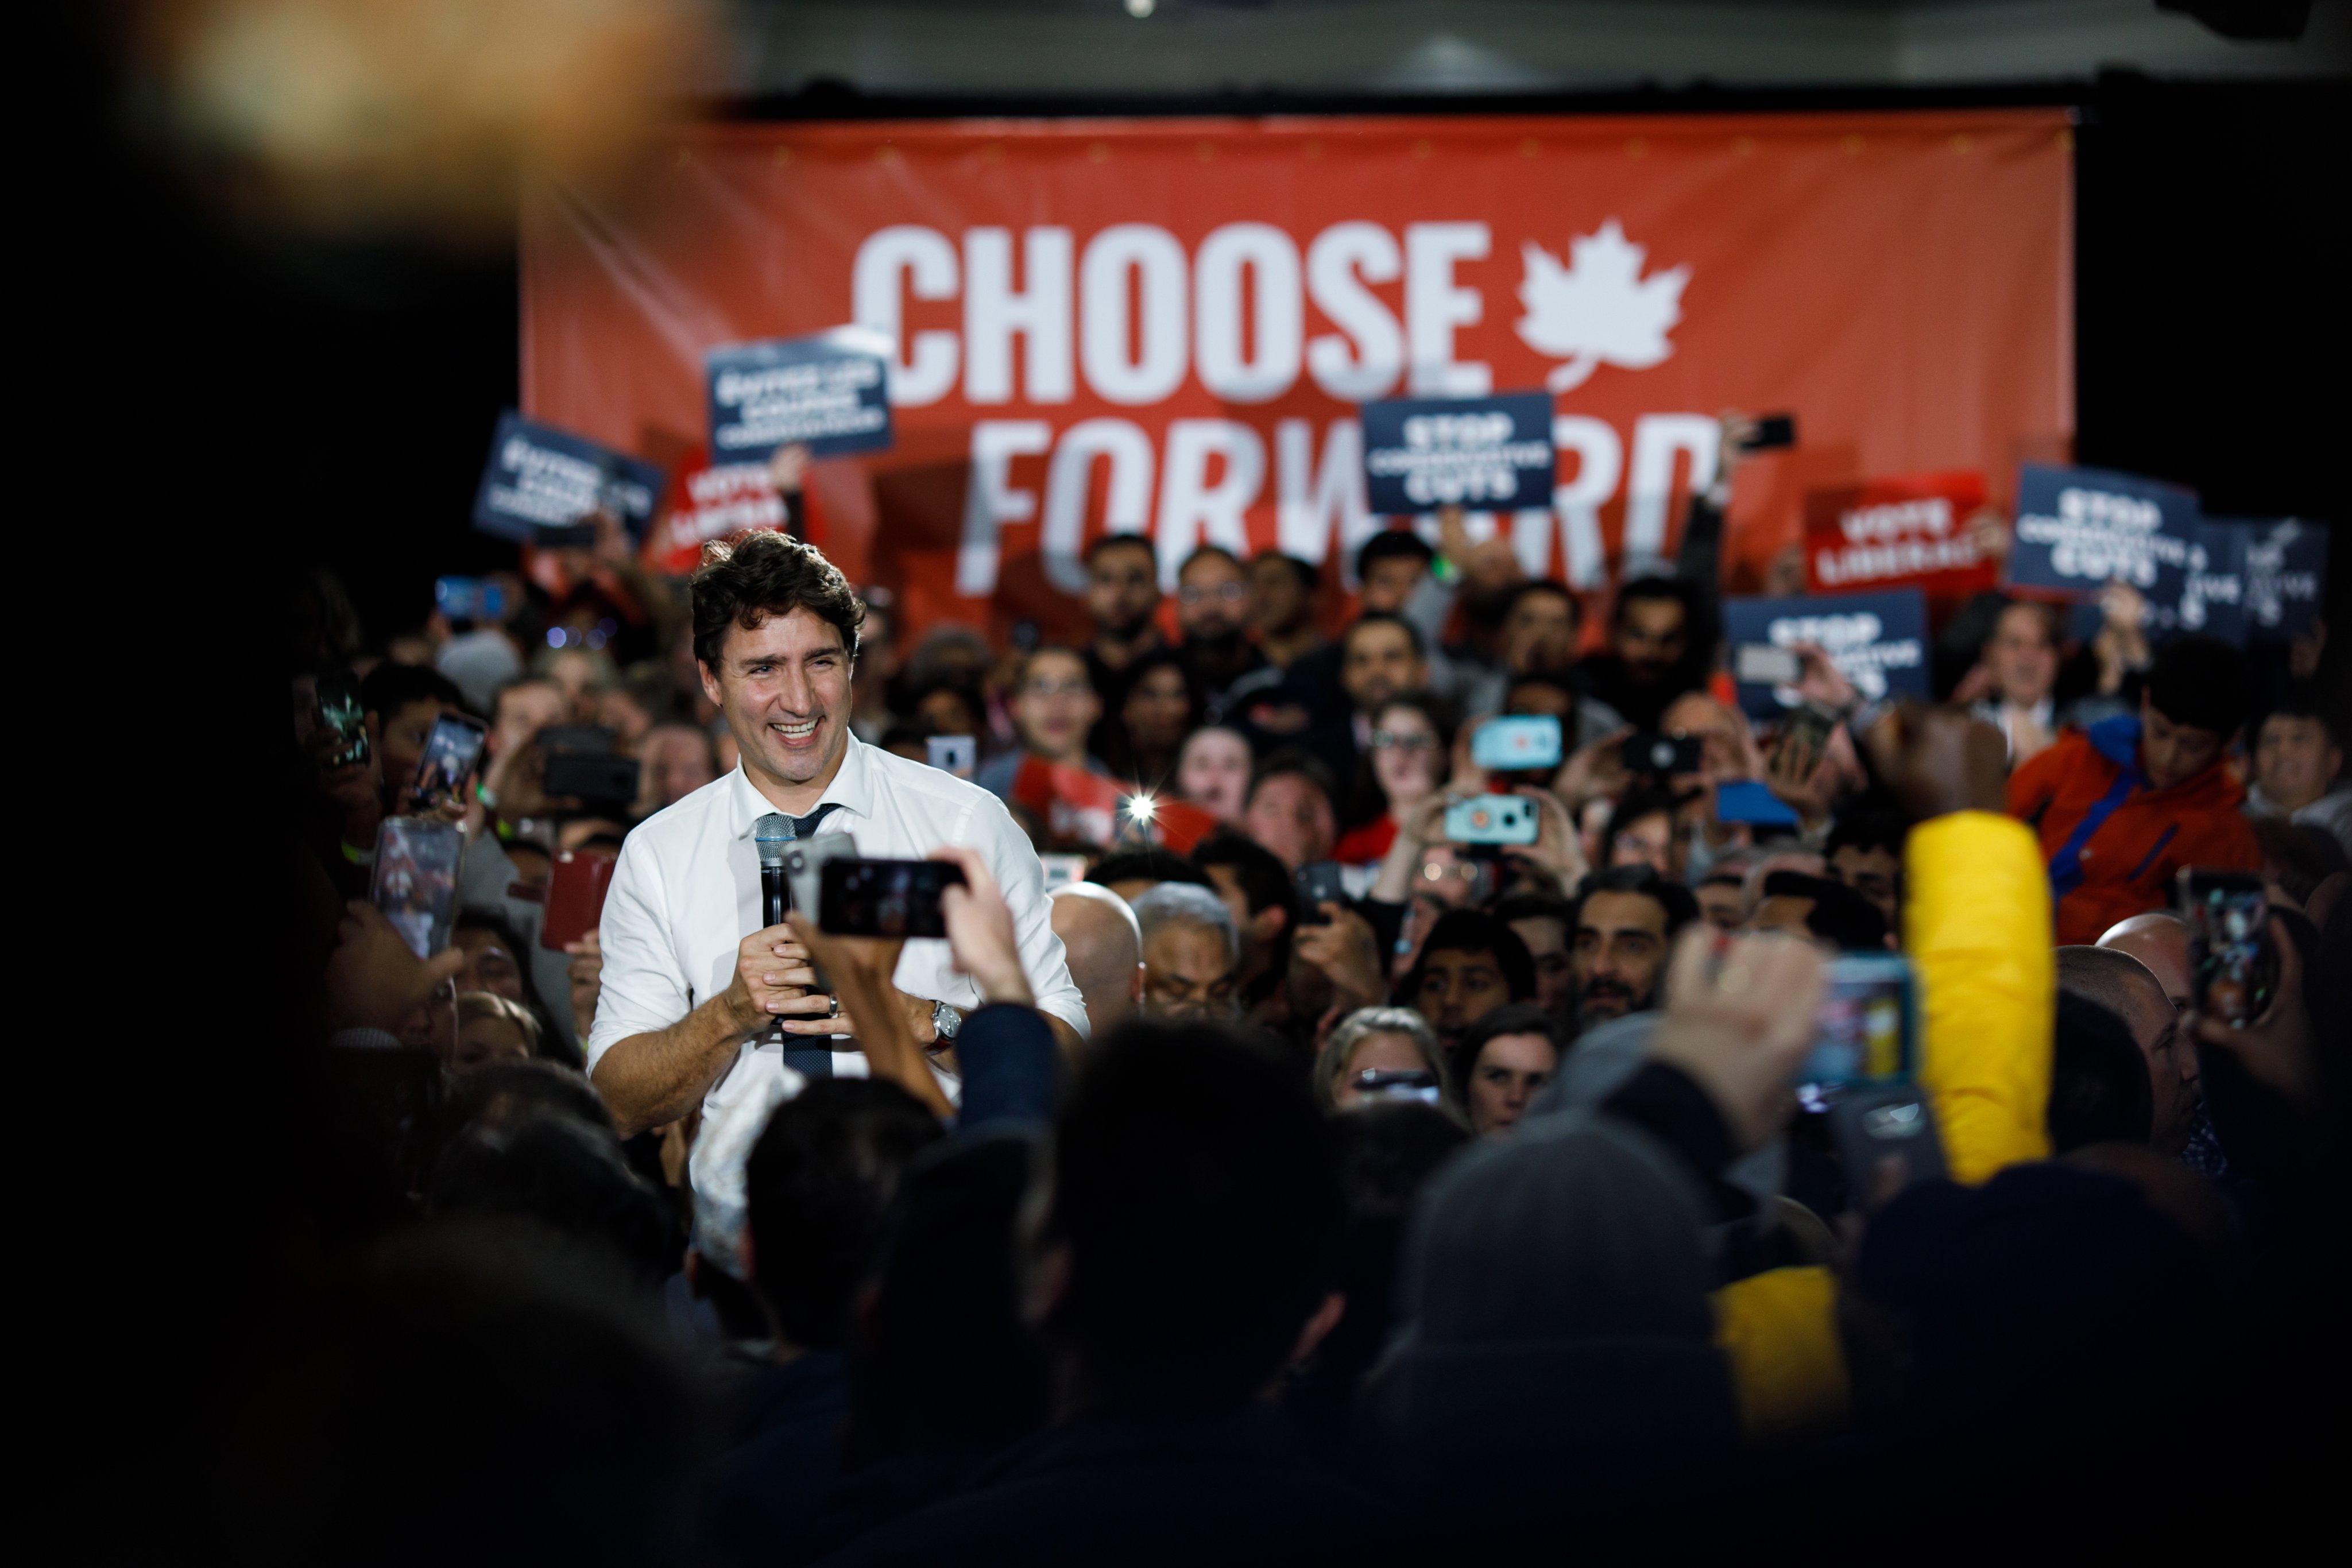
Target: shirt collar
(851, 789)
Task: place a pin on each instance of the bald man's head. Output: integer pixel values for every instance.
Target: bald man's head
(2129, 989)
(1104, 948)
(2160, 941)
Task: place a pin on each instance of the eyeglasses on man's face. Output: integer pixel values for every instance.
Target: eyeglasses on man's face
(1403, 740)
(1200, 593)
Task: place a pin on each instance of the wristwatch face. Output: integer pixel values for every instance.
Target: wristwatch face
(945, 1020)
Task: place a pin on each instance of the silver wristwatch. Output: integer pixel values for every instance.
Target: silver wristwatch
(945, 1020)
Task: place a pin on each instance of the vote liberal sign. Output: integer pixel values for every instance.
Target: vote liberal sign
(1907, 529)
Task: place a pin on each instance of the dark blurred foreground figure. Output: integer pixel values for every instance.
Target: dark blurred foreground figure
(2098, 1082)
(474, 1392)
(2051, 1296)
(564, 1173)
(1188, 1256)
(1558, 1340)
(944, 1374)
(1386, 1149)
(817, 1185)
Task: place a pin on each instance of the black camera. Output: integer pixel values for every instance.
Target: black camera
(1661, 755)
(884, 898)
(584, 764)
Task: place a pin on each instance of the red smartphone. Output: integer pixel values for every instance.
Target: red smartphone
(575, 896)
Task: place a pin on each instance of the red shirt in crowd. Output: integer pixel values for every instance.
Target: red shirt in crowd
(1363, 846)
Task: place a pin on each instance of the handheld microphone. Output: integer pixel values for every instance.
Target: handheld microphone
(773, 835)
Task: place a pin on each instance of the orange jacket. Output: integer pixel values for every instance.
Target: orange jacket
(2112, 842)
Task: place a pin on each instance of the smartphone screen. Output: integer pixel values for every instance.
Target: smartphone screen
(1807, 731)
(1398, 1083)
(885, 898)
(1810, 724)
(1509, 745)
(1865, 1025)
(575, 896)
(1061, 871)
(339, 711)
(468, 599)
(2233, 967)
(1772, 430)
(450, 753)
(415, 882)
(1886, 1140)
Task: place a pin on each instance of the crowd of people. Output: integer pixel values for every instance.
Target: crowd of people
(1296, 1175)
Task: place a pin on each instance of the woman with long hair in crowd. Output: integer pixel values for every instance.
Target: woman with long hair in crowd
(1413, 738)
(1162, 707)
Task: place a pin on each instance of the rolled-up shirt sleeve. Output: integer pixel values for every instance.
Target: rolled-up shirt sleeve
(644, 986)
(1022, 877)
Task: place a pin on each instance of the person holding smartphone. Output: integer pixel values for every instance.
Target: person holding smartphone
(691, 976)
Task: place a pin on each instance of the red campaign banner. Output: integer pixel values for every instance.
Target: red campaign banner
(1914, 530)
(1166, 326)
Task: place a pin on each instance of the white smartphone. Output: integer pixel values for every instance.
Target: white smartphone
(1762, 664)
(953, 754)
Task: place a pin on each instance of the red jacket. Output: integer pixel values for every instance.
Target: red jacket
(2112, 842)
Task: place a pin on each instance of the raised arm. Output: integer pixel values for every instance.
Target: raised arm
(1977, 923)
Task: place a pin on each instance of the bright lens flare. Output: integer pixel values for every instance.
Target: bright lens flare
(1140, 807)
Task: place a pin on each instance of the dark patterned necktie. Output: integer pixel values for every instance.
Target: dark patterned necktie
(808, 1062)
(806, 827)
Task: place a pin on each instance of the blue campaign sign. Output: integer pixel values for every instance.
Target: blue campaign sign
(1877, 641)
(541, 482)
(1488, 454)
(829, 393)
(2285, 577)
(2212, 601)
(2210, 592)
(2079, 529)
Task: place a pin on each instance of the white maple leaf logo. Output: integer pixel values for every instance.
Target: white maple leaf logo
(1599, 309)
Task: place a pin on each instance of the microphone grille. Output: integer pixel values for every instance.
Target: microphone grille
(771, 833)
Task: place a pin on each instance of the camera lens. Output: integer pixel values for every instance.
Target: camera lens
(1661, 755)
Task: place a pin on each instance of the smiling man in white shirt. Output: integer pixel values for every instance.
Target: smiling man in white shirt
(689, 977)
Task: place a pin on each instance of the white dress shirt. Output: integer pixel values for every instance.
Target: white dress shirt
(686, 893)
